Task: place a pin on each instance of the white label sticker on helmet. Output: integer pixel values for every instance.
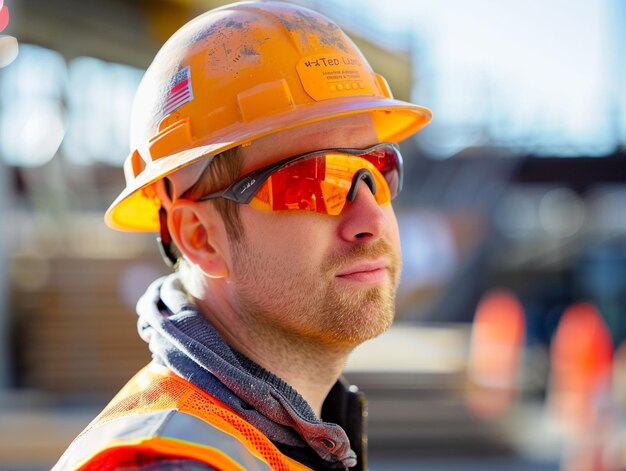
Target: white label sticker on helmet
(180, 91)
(326, 76)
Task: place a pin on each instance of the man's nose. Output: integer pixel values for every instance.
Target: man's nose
(363, 219)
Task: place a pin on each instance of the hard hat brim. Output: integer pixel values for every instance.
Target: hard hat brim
(136, 208)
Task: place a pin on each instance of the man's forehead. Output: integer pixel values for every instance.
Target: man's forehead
(354, 131)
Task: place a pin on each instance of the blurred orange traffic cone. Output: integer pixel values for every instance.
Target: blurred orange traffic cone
(495, 353)
(581, 366)
(580, 395)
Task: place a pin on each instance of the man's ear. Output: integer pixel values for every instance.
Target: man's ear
(194, 228)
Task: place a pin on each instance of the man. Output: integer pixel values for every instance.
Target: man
(262, 151)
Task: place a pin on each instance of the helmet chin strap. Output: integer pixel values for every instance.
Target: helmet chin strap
(367, 177)
(164, 239)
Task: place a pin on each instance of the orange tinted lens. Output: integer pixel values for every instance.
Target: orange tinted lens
(319, 183)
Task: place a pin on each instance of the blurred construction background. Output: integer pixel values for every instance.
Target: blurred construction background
(508, 349)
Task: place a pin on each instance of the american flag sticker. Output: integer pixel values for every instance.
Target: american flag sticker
(181, 91)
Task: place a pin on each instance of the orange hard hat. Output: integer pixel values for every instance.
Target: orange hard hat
(235, 74)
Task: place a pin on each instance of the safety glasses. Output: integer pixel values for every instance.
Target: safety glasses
(320, 181)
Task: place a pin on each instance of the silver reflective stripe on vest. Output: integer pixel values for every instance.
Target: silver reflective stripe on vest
(167, 424)
(186, 427)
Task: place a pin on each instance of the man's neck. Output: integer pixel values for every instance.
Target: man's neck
(307, 366)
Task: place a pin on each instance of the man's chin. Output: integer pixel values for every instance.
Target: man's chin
(349, 327)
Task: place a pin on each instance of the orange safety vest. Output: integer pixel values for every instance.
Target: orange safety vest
(158, 415)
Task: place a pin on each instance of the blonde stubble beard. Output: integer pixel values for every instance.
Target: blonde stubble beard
(298, 313)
